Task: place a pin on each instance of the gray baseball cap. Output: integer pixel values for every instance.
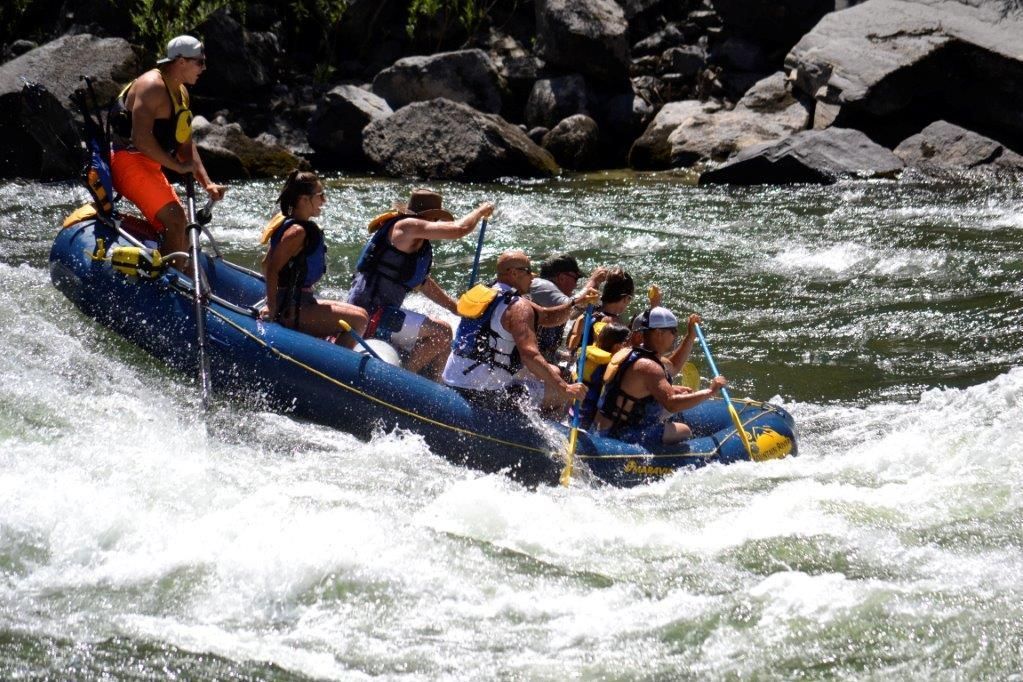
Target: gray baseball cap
(182, 46)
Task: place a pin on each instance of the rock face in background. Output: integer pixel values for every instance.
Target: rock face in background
(37, 135)
(890, 67)
(553, 99)
(772, 23)
(766, 113)
(814, 156)
(442, 139)
(239, 63)
(584, 36)
(575, 142)
(335, 129)
(466, 76)
(703, 82)
(229, 154)
(943, 147)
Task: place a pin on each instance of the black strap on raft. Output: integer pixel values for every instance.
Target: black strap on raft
(96, 173)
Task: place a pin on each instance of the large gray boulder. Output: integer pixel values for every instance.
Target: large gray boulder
(517, 68)
(443, 139)
(38, 137)
(575, 143)
(335, 129)
(553, 99)
(467, 76)
(229, 154)
(584, 36)
(943, 147)
(652, 150)
(767, 112)
(810, 156)
(889, 66)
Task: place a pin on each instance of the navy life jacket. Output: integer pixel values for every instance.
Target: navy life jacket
(305, 268)
(379, 258)
(629, 411)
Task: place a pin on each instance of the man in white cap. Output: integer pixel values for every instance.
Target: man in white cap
(639, 398)
(495, 355)
(151, 129)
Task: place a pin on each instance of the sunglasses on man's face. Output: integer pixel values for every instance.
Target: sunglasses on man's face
(201, 61)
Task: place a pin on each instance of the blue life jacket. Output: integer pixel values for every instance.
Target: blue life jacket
(307, 267)
(476, 340)
(621, 408)
(379, 258)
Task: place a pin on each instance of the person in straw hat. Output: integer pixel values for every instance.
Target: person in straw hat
(396, 260)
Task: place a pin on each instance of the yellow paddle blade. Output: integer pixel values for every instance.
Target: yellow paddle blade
(741, 432)
(566, 473)
(690, 376)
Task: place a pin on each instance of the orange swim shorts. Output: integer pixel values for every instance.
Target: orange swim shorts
(141, 180)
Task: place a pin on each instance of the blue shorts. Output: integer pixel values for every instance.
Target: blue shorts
(647, 435)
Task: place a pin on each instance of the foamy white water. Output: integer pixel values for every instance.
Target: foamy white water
(134, 539)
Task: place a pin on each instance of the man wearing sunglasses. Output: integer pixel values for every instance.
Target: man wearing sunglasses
(639, 398)
(495, 357)
(151, 129)
(558, 278)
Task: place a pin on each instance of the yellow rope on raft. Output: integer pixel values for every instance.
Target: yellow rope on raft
(457, 429)
(367, 396)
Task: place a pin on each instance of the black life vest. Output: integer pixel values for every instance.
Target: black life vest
(379, 258)
(170, 133)
(620, 407)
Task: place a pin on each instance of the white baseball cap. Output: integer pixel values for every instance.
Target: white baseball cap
(658, 318)
(182, 46)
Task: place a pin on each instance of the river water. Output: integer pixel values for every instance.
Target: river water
(886, 316)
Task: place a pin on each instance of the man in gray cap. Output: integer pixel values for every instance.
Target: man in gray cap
(151, 129)
(639, 398)
(558, 278)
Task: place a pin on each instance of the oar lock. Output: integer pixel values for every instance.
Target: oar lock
(132, 261)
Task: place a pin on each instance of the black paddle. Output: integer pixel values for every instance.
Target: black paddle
(201, 295)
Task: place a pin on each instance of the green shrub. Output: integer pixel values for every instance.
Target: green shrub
(469, 15)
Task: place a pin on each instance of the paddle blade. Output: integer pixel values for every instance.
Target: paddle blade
(751, 450)
(690, 376)
(566, 473)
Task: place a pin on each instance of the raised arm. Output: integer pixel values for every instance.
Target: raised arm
(409, 230)
(680, 355)
(559, 314)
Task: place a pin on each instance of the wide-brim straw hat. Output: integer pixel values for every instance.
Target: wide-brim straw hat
(424, 204)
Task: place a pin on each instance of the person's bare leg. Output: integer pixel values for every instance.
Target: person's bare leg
(174, 238)
(322, 320)
(675, 432)
(431, 350)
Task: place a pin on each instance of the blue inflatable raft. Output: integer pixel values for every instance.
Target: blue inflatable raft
(314, 379)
